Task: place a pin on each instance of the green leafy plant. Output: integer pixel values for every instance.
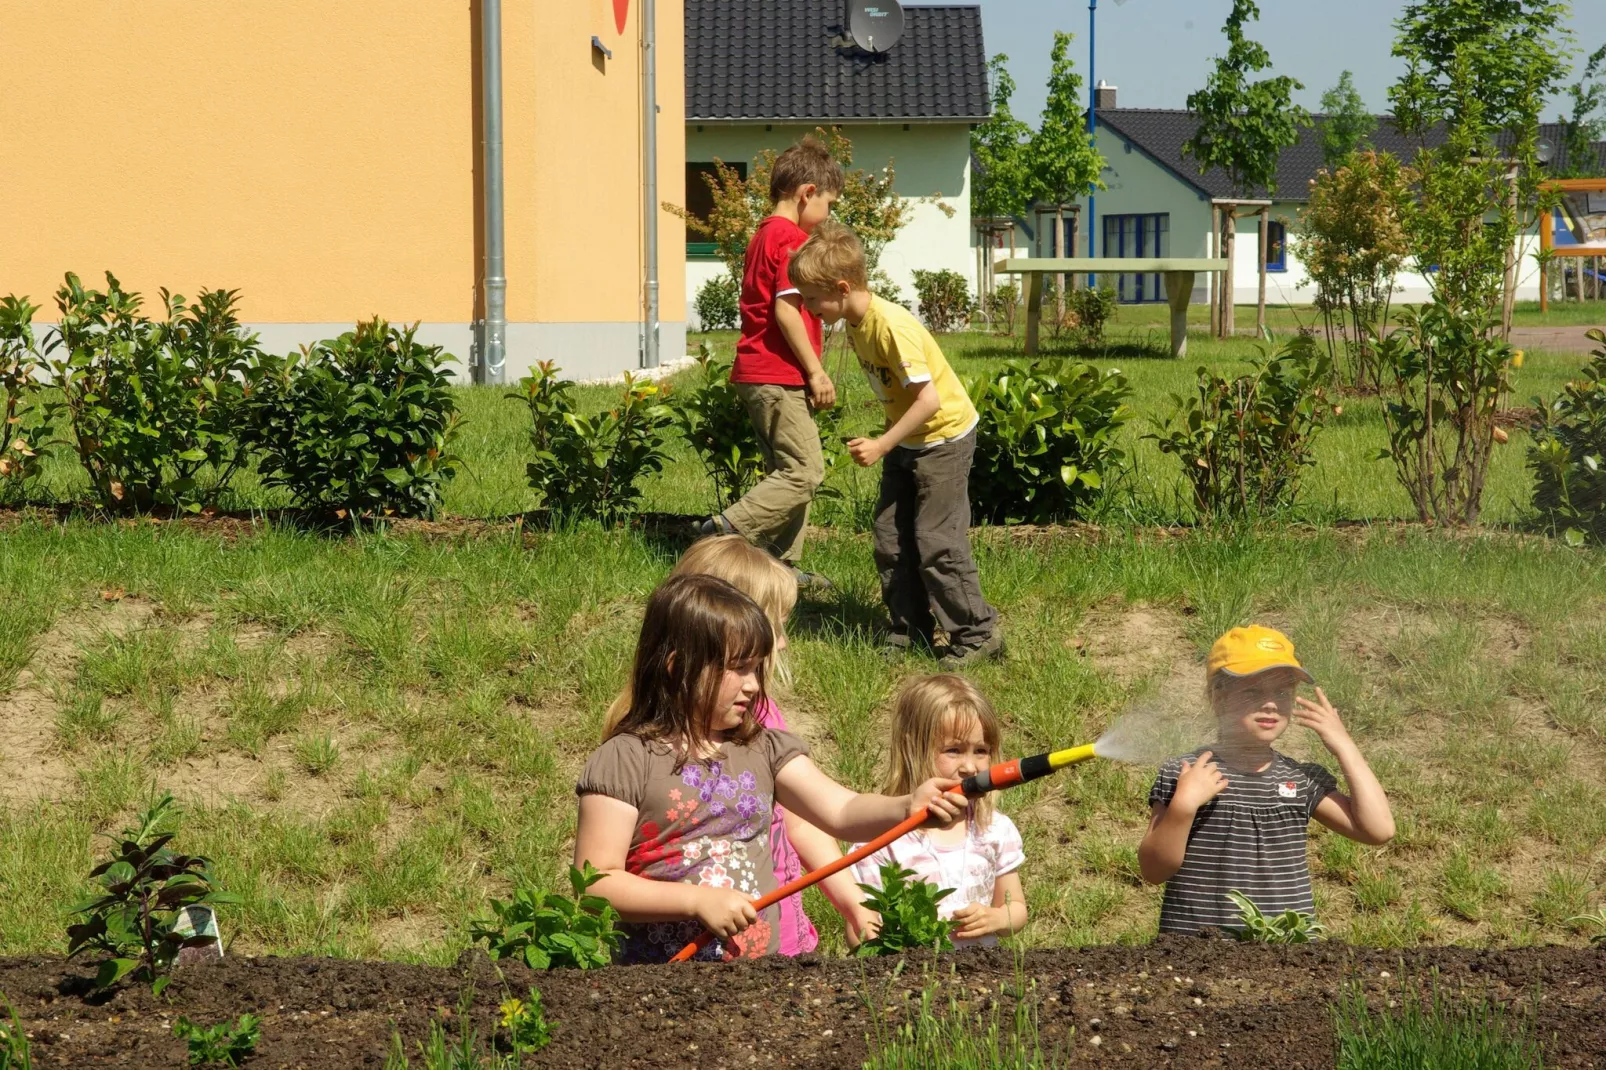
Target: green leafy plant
(524, 1020)
(944, 297)
(1568, 456)
(151, 406)
(525, 1023)
(545, 930)
(908, 909)
(1348, 123)
(592, 466)
(1244, 442)
(716, 426)
(360, 426)
(1048, 435)
(15, 1051)
(1002, 306)
(221, 1044)
(21, 435)
(135, 921)
(1088, 310)
(998, 164)
(1289, 927)
(1596, 921)
(1420, 1030)
(719, 303)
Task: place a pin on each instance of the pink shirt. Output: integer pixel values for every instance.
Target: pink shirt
(798, 935)
(970, 868)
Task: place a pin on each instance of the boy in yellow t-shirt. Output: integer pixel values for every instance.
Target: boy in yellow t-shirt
(922, 523)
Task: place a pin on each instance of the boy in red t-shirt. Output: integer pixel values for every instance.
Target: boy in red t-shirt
(777, 373)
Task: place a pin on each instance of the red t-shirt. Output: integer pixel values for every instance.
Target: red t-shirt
(763, 354)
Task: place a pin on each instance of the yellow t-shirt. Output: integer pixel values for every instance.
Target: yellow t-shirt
(899, 356)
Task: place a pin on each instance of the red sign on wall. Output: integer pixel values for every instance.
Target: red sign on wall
(621, 11)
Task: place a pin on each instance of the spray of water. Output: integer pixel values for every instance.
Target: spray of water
(1152, 730)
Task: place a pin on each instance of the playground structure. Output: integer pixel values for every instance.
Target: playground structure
(1582, 237)
(1178, 272)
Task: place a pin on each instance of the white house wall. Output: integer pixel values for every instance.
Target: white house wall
(931, 164)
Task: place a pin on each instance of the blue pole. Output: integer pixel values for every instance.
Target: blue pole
(1092, 110)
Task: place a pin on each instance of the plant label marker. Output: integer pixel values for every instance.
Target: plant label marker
(199, 921)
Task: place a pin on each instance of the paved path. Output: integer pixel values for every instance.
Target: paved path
(1554, 339)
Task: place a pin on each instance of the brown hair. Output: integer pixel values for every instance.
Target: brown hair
(832, 254)
(807, 162)
(750, 570)
(930, 710)
(695, 628)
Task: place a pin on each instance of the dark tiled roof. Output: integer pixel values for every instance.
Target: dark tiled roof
(769, 60)
(1161, 134)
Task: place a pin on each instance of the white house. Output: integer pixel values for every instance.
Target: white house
(761, 74)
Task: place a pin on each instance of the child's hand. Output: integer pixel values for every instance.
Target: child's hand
(866, 451)
(821, 391)
(944, 806)
(1320, 717)
(724, 911)
(861, 925)
(976, 921)
(1198, 783)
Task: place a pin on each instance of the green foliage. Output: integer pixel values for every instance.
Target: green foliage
(715, 424)
(998, 165)
(545, 930)
(1048, 434)
(1061, 160)
(361, 426)
(1289, 927)
(1349, 125)
(1091, 308)
(1244, 126)
(1002, 306)
(1568, 456)
(1245, 442)
(526, 1024)
(960, 1035)
(592, 466)
(150, 406)
(15, 1051)
(21, 447)
(719, 303)
(1419, 1032)
(146, 887)
(945, 302)
(222, 1044)
(1596, 921)
(1443, 377)
(908, 909)
(1583, 127)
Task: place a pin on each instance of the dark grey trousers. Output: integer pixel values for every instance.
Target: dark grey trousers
(922, 544)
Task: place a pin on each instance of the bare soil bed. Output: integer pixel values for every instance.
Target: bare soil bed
(1174, 1003)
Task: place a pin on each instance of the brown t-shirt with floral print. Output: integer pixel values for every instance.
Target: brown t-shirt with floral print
(707, 822)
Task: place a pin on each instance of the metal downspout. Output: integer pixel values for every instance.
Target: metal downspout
(493, 360)
(649, 74)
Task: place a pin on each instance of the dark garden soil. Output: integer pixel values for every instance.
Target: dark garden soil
(1175, 1003)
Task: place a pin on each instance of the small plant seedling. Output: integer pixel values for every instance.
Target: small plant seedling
(526, 1024)
(1289, 927)
(223, 1044)
(15, 1051)
(908, 909)
(547, 930)
(1596, 920)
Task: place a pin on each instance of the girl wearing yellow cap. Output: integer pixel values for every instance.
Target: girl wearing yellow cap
(1233, 817)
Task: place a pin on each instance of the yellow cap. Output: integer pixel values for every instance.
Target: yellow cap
(1251, 650)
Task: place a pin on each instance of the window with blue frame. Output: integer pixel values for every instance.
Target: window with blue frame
(1134, 236)
(1276, 246)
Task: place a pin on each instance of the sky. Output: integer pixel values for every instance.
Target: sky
(1158, 51)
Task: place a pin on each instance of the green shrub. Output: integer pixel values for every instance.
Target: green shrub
(21, 433)
(525, 1022)
(1424, 1032)
(360, 426)
(908, 909)
(1245, 442)
(150, 406)
(1002, 305)
(15, 1051)
(1047, 436)
(716, 426)
(944, 298)
(222, 1044)
(1569, 454)
(719, 303)
(592, 466)
(545, 930)
(1289, 927)
(1091, 309)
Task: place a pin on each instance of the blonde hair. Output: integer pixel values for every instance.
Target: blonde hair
(751, 571)
(832, 254)
(931, 710)
(808, 162)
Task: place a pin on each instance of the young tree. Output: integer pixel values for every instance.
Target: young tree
(1061, 159)
(1244, 126)
(1349, 125)
(998, 176)
(1583, 128)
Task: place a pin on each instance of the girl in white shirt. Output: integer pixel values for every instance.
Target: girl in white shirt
(944, 727)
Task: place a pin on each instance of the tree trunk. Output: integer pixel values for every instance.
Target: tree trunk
(1076, 239)
(1265, 233)
(1059, 280)
(1228, 319)
(1214, 251)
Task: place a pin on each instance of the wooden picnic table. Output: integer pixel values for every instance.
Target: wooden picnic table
(1178, 284)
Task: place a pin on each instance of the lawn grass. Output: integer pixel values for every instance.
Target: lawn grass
(1432, 1029)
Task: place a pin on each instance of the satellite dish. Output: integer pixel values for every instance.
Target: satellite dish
(875, 25)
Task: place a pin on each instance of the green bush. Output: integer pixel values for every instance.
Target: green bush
(719, 306)
(21, 432)
(360, 426)
(1244, 442)
(908, 909)
(944, 298)
(1002, 305)
(592, 466)
(1569, 454)
(1091, 309)
(222, 1044)
(1289, 927)
(716, 426)
(1047, 436)
(545, 930)
(150, 406)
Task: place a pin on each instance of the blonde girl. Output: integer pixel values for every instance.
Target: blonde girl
(942, 727)
(795, 844)
(675, 806)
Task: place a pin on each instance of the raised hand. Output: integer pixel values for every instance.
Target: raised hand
(1199, 782)
(1320, 717)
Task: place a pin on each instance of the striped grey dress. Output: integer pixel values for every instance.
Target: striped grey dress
(1249, 839)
